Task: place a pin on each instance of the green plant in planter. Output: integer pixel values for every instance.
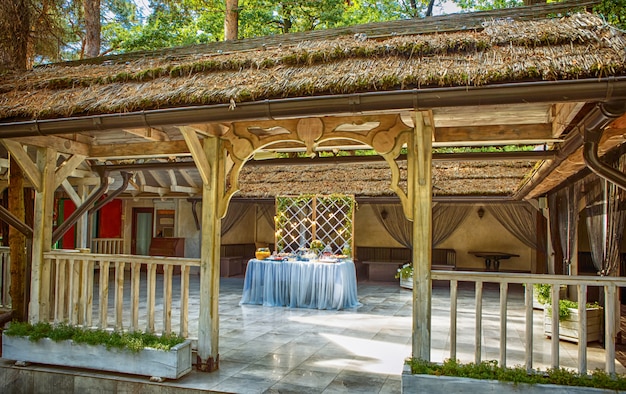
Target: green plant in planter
(544, 296)
(490, 370)
(134, 341)
(405, 272)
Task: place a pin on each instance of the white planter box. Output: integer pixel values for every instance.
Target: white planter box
(407, 283)
(568, 328)
(170, 364)
(447, 384)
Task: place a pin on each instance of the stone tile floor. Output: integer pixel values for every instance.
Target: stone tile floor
(293, 350)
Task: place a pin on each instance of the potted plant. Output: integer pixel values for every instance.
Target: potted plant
(541, 294)
(405, 274)
(569, 317)
(487, 376)
(166, 356)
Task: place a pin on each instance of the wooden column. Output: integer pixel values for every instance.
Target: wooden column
(212, 192)
(39, 309)
(420, 196)
(17, 243)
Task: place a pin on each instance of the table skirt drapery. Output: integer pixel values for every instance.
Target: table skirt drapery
(301, 284)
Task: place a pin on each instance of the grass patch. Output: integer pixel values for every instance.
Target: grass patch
(490, 370)
(134, 341)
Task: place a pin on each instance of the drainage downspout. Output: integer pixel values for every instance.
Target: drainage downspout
(66, 225)
(125, 178)
(8, 217)
(593, 127)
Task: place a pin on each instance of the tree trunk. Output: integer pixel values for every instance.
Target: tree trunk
(92, 27)
(14, 34)
(17, 243)
(231, 20)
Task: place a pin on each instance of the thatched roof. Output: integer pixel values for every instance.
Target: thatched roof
(574, 47)
(493, 178)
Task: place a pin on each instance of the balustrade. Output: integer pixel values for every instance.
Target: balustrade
(79, 277)
(609, 285)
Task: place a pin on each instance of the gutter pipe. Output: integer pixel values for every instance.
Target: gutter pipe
(602, 89)
(125, 179)
(593, 126)
(67, 224)
(12, 220)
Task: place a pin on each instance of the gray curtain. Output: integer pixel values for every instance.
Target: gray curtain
(236, 211)
(446, 219)
(606, 216)
(520, 219)
(393, 220)
(267, 212)
(567, 213)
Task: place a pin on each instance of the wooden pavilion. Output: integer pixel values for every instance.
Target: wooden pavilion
(193, 118)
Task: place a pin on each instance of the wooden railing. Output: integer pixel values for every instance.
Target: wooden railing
(80, 288)
(107, 245)
(5, 277)
(609, 285)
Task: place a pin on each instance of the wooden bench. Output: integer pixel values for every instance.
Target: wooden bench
(382, 263)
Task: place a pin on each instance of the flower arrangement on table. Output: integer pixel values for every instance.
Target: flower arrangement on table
(405, 272)
(317, 246)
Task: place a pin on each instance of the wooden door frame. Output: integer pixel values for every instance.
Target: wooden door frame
(133, 238)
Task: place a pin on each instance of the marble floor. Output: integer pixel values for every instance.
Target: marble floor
(291, 350)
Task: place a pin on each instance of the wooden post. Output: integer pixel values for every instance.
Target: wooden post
(39, 307)
(420, 192)
(17, 243)
(208, 326)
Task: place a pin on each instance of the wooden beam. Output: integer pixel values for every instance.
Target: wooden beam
(26, 164)
(188, 178)
(185, 189)
(564, 113)
(66, 169)
(161, 191)
(149, 133)
(69, 189)
(420, 173)
(40, 296)
(494, 133)
(160, 180)
(197, 152)
(61, 145)
(208, 320)
(140, 149)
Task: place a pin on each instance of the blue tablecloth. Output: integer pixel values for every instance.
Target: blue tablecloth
(300, 284)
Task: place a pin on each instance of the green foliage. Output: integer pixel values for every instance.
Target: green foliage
(614, 11)
(405, 272)
(134, 341)
(544, 296)
(490, 370)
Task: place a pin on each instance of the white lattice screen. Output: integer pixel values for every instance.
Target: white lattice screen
(302, 219)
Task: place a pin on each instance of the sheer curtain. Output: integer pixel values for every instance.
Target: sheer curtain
(520, 219)
(236, 211)
(393, 220)
(604, 207)
(446, 219)
(563, 207)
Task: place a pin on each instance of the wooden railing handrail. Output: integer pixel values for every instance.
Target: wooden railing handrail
(510, 277)
(123, 258)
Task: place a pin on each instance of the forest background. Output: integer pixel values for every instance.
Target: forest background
(42, 31)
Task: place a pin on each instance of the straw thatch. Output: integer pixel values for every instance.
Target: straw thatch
(580, 46)
(493, 178)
